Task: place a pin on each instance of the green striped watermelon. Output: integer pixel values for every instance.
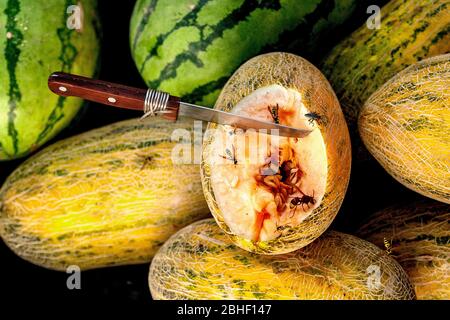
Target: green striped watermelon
(34, 41)
(191, 47)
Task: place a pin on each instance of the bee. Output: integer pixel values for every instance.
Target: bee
(274, 113)
(313, 117)
(303, 200)
(231, 155)
(387, 245)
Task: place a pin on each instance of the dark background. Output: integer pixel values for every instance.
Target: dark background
(371, 188)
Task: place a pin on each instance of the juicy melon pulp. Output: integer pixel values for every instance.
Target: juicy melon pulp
(263, 183)
(273, 194)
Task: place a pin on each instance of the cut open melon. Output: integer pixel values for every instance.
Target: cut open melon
(263, 183)
(275, 194)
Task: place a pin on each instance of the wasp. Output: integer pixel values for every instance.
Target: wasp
(282, 228)
(387, 245)
(313, 116)
(234, 131)
(231, 155)
(146, 160)
(303, 200)
(274, 113)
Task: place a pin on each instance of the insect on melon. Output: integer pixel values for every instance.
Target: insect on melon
(277, 196)
(107, 197)
(200, 262)
(418, 236)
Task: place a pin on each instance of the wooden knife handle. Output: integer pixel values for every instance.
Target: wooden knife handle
(116, 95)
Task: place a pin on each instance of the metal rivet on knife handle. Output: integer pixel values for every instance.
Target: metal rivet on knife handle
(151, 101)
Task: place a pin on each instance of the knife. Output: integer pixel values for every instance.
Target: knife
(154, 102)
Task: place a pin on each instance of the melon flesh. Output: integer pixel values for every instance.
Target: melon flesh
(262, 183)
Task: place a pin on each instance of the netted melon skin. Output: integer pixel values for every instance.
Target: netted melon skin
(294, 72)
(406, 126)
(107, 197)
(200, 262)
(409, 32)
(419, 237)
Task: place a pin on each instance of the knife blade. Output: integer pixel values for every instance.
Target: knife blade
(227, 118)
(154, 102)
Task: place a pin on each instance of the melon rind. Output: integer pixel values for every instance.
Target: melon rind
(405, 125)
(294, 72)
(418, 235)
(200, 262)
(107, 197)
